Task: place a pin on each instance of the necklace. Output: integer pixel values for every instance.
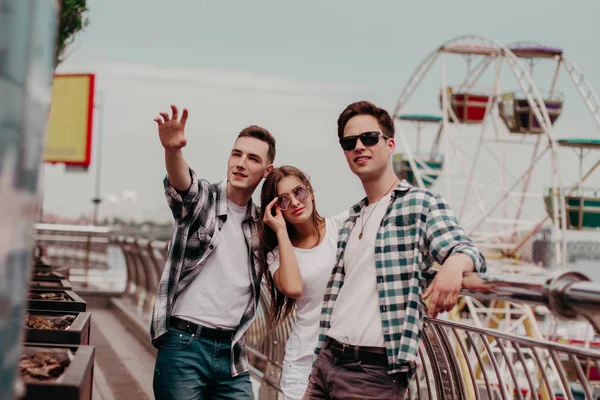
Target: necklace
(363, 221)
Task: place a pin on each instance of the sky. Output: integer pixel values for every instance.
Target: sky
(292, 68)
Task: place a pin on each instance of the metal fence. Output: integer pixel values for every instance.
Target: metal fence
(456, 360)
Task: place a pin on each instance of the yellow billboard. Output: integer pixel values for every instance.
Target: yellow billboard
(69, 130)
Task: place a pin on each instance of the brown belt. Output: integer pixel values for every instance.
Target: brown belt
(365, 354)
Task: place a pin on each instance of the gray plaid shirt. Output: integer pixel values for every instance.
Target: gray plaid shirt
(199, 215)
(418, 229)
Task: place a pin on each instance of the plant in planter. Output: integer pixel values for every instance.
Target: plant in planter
(56, 296)
(57, 371)
(45, 322)
(57, 327)
(44, 365)
(60, 300)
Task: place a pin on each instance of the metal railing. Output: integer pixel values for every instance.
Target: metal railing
(456, 360)
(460, 361)
(568, 295)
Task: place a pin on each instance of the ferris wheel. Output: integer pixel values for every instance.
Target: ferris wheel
(486, 141)
(489, 145)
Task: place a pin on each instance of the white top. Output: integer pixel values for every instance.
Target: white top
(316, 265)
(219, 295)
(356, 319)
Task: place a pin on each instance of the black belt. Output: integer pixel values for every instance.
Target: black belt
(365, 354)
(218, 335)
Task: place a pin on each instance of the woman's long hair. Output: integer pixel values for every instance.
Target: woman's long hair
(280, 306)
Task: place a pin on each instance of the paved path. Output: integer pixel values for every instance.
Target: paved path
(123, 367)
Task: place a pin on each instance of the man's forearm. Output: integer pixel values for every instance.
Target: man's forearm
(460, 262)
(178, 170)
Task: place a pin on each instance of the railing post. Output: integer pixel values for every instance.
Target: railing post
(140, 284)
(272, 377)
(131, 273)
(142, 247)
(86, 264)
(572, 295)
(445, 371)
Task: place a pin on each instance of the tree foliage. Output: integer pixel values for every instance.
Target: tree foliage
(72, 20)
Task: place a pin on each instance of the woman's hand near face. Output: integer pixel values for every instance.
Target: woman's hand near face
(275, 222)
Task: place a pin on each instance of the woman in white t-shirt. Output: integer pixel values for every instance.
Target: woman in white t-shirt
(297, 254)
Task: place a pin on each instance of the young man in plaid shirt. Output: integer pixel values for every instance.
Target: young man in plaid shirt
(373, 307)
(209, 291)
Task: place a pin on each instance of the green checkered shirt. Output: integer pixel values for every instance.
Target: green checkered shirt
(418, 229)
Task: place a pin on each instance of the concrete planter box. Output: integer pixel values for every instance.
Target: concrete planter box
(51, 268)
(78, 332)
(47, 276)
(62, 284)
(67, 300)
(75, 382)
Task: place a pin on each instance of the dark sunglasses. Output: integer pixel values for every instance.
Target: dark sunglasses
(284, 201)
(367, 138)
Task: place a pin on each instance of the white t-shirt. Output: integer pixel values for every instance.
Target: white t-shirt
(219, 295)
(316, 265)
(356, 319)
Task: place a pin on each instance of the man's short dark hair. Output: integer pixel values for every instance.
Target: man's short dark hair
(261, 134)
(366, 108)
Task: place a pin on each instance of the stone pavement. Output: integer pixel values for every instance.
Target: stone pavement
(124, 367)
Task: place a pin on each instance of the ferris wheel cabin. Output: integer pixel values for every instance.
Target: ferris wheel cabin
(468, 107)
(429, 167)
(582, 205)
(516, 111)
(519, 117)
(429, 170)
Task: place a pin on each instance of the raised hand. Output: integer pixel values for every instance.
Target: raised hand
(171, 129)
(276, 222)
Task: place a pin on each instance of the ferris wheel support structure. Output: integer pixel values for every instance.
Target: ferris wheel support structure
(585, 89)
(488, 109)
(499, 52)
(592, 102)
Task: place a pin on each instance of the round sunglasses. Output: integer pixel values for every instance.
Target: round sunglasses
(284, 201)
(367, 138)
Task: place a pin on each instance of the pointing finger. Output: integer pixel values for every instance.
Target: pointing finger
(184, 116)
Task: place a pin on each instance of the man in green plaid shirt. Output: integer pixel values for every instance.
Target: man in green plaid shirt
(373, 306)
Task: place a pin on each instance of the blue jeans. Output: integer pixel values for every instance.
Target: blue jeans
(195, 368)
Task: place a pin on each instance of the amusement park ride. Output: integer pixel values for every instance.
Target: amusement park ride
(486, 155)
(476, 153)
